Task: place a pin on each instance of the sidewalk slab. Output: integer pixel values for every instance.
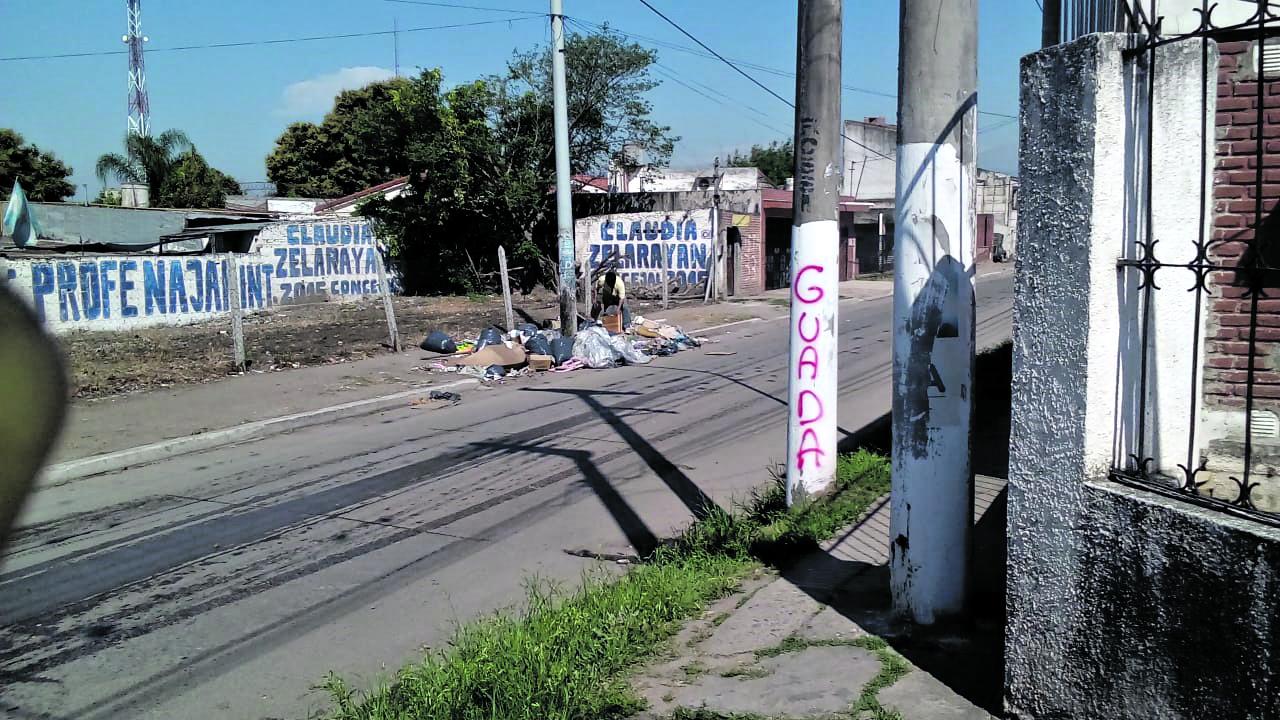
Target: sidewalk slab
(796, 645)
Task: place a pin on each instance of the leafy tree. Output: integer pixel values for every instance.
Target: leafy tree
(43, 176)
(108, 196)
(777, 161)
(481, 159)
(360, 143)
(170, 166)
(193, 183)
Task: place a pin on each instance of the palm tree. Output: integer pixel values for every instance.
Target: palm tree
(148, 160)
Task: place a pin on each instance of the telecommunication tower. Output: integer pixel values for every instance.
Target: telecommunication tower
(139, 107)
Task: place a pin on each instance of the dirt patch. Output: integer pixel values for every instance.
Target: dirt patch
(111, 363)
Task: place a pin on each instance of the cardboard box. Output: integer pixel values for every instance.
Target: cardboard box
(540, 362)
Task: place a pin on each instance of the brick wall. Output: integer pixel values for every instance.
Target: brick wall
(750, 278)
(1234, 192)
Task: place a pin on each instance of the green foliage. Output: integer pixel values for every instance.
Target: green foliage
(177, 175)
(777, 161)
(43, 176)
(765, 528)
(358, 144)
(565, 657)
(559, 658)
(479, 157)
(108, 196)
(192, 183)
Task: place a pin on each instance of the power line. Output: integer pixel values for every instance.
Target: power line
(466, 7)
(748, 64)
(722, 58)
(674, 78)
(277, 41)
(744, 73)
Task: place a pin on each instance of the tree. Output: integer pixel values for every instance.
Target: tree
(43, 176)
(360, 143)
(171, 167)
(481, 159)
(193, 183)
(777, 161)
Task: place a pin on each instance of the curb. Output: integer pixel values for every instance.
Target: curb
(62, 473)
(65, 472)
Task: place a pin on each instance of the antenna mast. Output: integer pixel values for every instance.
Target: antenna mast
(139, 106)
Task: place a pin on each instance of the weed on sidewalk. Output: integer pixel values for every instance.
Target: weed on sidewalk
(568, 656)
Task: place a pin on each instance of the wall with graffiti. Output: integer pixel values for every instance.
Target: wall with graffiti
(289, 262)
(633, 243)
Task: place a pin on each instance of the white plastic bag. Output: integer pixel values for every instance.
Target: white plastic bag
(594, 348)
(628, 351)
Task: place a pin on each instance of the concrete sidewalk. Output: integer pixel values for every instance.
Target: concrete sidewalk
(107, 425)
(800, 645)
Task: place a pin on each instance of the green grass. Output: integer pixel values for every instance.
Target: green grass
(764, 528)
(566, 657)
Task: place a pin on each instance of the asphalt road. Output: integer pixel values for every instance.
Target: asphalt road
(228, 583)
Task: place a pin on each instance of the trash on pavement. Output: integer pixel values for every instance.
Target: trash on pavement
(562, 350)
(537, 345)
(498, 354)
(495, 370)
(489, 336)
(540, 362)
(451, 397)
(440, 342)
(592, 346)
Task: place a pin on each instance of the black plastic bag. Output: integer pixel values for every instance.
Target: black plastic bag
(561, 350)
(495, 371)
(527, 328)
(439, 341)
(537, 345)
(489, 336)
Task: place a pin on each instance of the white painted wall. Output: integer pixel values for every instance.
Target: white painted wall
(637, 238)
(301, 260)
(867, 174)
(292, 205)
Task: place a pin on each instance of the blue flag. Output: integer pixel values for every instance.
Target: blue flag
(19, 222)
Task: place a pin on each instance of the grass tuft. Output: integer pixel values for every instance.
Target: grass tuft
(765, 528)
(565, 657)
(558, 658)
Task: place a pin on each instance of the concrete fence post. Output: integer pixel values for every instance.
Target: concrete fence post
(385, 289)
(237, 310)
(1090, 632)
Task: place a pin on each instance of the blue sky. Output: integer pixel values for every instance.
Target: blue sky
(234, 102)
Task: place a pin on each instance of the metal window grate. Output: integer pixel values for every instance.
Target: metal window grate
(1238, 265)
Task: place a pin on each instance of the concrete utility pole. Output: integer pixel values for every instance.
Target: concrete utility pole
(933, 308)
(564, 193)
(815, 253)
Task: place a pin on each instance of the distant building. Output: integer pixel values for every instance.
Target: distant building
(348, 204)
(870, 172)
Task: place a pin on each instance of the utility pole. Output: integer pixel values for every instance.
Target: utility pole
(815, 253)
(564, 193)
(933, 308)
(395, 44)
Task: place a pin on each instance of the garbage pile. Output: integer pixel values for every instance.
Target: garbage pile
(528, 349)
